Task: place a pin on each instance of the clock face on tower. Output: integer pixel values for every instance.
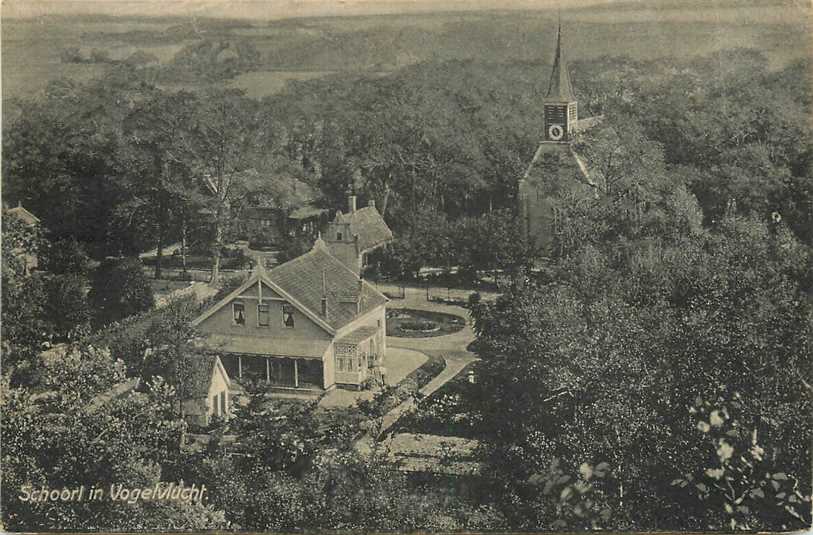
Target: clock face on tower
(555, 122)
(556, 132)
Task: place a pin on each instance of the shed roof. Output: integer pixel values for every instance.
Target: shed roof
(358, 335)
(268, 346)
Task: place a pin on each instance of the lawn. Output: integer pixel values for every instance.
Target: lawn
(164, 287)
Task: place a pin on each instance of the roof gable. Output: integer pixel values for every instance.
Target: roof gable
(261, 277)
(200, 374)
(23, 215)
(368, 225)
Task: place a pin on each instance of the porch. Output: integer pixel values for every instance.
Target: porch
(282, 373)
(357, 354)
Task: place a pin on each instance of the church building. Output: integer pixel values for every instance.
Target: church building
(556, 173)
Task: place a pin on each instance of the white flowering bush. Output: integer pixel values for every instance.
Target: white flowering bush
(740, 479)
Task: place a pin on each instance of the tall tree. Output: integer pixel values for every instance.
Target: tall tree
(158, 131)
(225, 140)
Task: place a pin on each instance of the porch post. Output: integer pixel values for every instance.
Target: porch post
(267, 370)
(239, 366)
(296, 374)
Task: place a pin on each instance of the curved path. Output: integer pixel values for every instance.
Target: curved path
(450, 347)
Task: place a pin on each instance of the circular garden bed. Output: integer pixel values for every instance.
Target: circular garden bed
(411, 323)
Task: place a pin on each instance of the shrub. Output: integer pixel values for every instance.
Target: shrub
(119, 289)
(65, 256)
(66, 305)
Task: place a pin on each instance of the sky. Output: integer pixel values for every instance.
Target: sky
(269, 9)
(743, 11)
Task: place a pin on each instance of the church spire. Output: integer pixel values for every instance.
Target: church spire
(559, 88)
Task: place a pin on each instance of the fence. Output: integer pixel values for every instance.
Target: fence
(430, 292)
(190, 275)
(453, 296)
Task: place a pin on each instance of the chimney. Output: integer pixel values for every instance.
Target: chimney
(371, 203)
(351, 202)
(358, 300)
(324, 293)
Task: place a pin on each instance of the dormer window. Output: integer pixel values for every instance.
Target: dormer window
(288, 315)
(238, 314)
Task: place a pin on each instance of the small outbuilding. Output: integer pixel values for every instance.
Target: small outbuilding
(206, 391)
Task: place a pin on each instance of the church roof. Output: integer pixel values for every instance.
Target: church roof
(559, 87)
(556, 168)
(368, 225)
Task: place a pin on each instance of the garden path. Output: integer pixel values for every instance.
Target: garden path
(451, 347)
(399, 362)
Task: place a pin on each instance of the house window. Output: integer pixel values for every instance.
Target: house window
(238, 313)
(223, 403)
(215, 406)
(288, 315)
(339, 236)
(263, 316)
(346, 364)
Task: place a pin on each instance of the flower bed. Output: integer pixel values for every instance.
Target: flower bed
(410, 323)
(419, 326)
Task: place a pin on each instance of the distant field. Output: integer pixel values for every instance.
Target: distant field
(306, 48)
(260, 84)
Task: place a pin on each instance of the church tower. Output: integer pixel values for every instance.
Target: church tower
(556, 171)
(561, 110)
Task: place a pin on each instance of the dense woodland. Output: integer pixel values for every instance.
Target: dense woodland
(654, 374)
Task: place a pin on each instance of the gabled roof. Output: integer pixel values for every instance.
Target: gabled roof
(260, 275)
(303, 281)
(200, 370)
(559, 87)
(368, 225)
(23, 215)
(303, 278)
